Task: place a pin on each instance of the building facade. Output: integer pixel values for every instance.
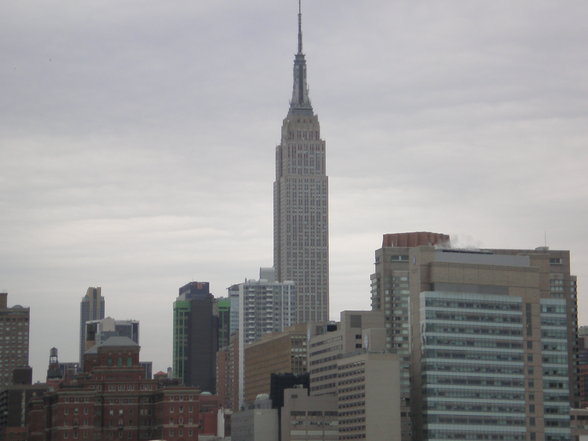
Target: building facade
(329, 342)
(14, 344)
(264, 306)
(223, 312)
(301, 224)
(490, 341)
(257, 423)
(390, 294)
(583, 366)
(98, 331)
(227, 374)
(14, 402)
(281, 352)
(91, 308)
(368, 396)
(308, 418)
(113, 400)
(195, 336)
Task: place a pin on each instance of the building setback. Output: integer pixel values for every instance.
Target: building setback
(301, 226)
(14, 344)
(195, 337)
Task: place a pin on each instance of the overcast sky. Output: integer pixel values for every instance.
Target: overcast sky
(137, 143)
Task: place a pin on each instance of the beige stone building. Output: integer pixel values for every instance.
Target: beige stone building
(308, 418)
(281, 352)
(348, 361)
(301, 202)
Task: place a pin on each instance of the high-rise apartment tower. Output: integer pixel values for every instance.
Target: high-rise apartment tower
(91, 308)
(301, 228)
(14, 344)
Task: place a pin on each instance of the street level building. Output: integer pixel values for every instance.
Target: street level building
(14, 344)
(301, 225)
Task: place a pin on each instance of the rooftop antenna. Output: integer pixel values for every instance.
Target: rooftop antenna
(299, 26)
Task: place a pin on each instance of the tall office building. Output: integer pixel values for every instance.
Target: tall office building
(493, 339)
(14, 344)
(390, 294)
(301, 228)
(195, 336)
(91, 308)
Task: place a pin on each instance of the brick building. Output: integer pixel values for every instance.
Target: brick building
(112, 400)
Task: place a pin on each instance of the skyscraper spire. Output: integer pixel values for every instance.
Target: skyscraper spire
(300, 102)
(300, 27)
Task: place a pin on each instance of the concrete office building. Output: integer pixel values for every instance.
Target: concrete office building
(348, 360)
(257, 423)
(91, 308)
(195, 336)
(301, 224)
(368, 396)
(281, 352)
(390, 294)
(329, 342)
(14, 345)
(490, 342)
(308, 418)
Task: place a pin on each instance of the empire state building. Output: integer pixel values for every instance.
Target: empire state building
(301, 203)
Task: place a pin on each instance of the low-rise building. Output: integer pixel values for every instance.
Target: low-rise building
(280, 352)
(258, 423)
(112, 399)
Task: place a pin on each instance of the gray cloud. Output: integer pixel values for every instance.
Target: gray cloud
(137, 142)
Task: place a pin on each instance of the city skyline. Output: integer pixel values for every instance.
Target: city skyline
(138, 144)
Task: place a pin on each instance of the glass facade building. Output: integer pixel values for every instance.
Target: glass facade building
(473, 371)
